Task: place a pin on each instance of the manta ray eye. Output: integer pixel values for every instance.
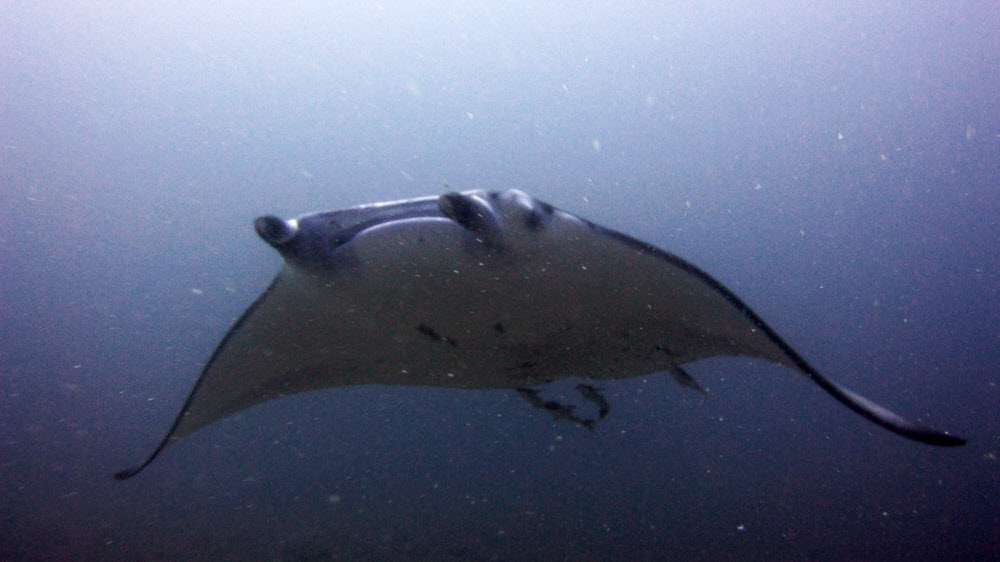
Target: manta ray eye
(535, 213)
(533, 221)
(337, 235)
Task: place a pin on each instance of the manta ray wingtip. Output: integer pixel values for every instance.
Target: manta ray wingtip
(127, 473)
(132, 471)
(880, 414)
(940, 439)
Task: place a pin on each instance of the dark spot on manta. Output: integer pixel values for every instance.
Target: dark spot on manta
(498, 327)
(429, 332)
(523, 366)
(553, 405)
(433, 335)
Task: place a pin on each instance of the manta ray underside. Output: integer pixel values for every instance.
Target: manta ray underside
(479, 290)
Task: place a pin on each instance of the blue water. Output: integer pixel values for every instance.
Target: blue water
(835, 167)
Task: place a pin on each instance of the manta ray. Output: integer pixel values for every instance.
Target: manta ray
(480, 290)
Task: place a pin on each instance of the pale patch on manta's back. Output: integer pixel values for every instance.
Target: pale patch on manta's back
(479, 290)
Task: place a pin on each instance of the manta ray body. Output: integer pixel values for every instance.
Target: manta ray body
(479, 290)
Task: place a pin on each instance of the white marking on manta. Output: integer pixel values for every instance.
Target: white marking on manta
(479, 290)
